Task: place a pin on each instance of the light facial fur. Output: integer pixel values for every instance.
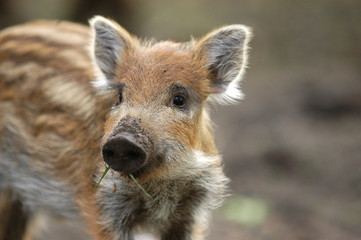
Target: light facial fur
(75, 100)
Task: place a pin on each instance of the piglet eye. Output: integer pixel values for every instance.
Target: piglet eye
(179, 101)
(120, 98)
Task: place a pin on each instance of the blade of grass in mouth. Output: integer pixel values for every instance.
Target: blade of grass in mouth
(105, 172)
(140, 186)
(131, 176)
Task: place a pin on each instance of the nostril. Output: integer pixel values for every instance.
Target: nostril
(132, 155)
(108, 153)
(123, 154)
(109, 156)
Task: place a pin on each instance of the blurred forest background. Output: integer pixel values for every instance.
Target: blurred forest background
(292, 148)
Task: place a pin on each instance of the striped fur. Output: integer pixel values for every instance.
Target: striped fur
(54, 122)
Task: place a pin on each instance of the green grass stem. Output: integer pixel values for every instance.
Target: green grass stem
(105, 172)
(131, 176)
(140, 186)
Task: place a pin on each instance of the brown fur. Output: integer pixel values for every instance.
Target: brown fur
(53, 124)
(39, 78)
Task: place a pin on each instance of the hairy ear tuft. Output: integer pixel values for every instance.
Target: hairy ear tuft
(109, 43)
(224, 52)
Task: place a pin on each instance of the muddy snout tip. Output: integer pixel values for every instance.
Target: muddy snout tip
(123, 154)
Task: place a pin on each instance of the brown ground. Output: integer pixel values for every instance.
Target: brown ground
(295, 141)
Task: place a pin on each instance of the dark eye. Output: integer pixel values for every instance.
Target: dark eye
(120, 97)
(179, 101)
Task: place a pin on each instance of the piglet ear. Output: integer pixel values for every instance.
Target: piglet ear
(224, 54)
(110, 42)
